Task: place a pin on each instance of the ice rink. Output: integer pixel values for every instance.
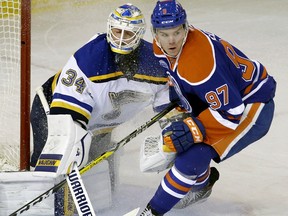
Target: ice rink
(253, 182)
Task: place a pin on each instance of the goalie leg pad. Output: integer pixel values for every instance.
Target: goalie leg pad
(67, 142)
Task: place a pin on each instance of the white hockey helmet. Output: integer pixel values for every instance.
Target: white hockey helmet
(126, 18)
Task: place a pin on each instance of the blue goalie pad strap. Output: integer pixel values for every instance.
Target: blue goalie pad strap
(48, 162)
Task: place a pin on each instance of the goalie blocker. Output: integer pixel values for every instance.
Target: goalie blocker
(67, 142)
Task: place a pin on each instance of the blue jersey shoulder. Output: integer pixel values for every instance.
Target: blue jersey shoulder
(95, 57)
(148, 62)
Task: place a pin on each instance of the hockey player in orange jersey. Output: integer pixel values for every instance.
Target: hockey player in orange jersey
(228, 96)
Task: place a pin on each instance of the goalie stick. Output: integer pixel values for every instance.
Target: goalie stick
(78, 191)
(102, 157)
(133, 212)
(43, 100)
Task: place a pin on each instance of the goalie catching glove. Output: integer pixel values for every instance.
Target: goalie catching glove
(153, 156)
(179, 136)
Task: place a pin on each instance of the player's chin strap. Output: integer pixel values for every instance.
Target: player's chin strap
(102, 157)
(78, 191)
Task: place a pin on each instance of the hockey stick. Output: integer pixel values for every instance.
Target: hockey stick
(79, 193)
(133, 212)
(43, 100)
(102, 157)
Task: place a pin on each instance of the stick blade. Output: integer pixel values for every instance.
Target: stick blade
(133, 212)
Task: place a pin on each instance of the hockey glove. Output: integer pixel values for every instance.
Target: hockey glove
(181, 135)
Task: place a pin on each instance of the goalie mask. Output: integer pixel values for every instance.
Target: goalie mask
(125, 28)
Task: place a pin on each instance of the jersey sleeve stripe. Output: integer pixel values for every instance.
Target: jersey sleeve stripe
(236, 111)
(106, 76)
(151, 78)
(67, 106)
(73, 101)
(256, 82)
(255, 89)
(138, 77)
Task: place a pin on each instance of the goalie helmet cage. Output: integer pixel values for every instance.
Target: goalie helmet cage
(15, 28)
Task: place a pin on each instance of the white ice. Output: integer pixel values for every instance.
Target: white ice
(254, 182)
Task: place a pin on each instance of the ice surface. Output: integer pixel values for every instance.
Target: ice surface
(253, 182)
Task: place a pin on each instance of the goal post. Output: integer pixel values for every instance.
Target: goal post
(25, 69)
(15, 19)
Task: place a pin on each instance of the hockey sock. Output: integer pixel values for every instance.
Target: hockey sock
(173, 187)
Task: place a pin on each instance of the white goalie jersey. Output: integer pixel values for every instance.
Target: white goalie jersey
(99, 90)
